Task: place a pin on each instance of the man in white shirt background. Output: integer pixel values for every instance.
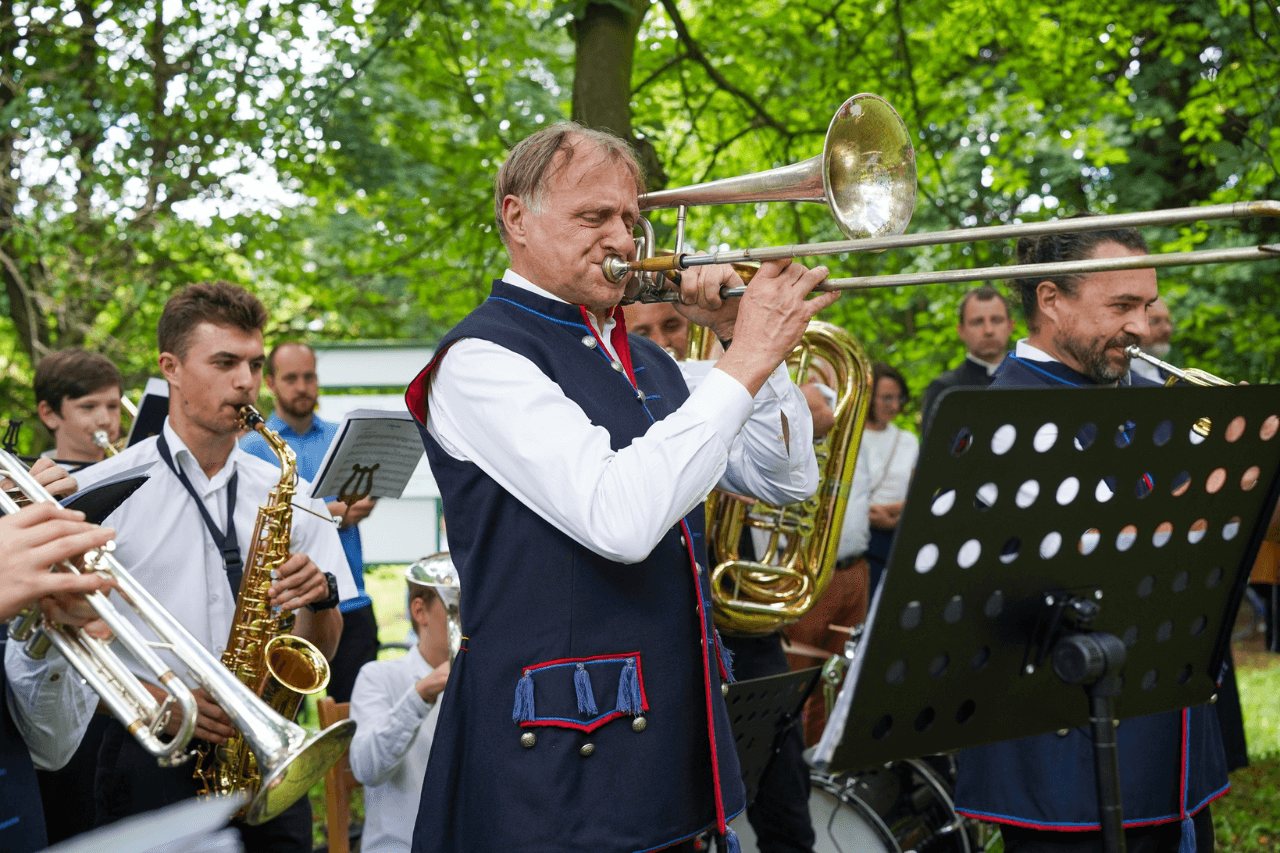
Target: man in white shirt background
(394, 707)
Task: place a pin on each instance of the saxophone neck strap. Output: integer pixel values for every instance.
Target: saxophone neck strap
(226, 542)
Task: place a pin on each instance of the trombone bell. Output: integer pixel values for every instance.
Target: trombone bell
(866, 174)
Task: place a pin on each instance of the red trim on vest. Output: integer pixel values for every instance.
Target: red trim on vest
(565, 724)
(415, 396)
(721, 823)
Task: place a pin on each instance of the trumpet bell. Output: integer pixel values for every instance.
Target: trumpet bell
(866, 174)
(297, 768)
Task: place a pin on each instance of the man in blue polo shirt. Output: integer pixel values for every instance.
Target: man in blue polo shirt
(291, 376)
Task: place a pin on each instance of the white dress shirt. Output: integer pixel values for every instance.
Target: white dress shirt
(889, 456)
(50, 703)
(394, 728)
(493, 407)
(162, 541)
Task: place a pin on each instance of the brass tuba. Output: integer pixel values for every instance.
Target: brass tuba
(783, 583)
(277, 766)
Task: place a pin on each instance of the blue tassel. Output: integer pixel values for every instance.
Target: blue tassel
(629, 699)
(1188, 842)
(731, 841)
(726, 658)
(523, 710)
(582, 684)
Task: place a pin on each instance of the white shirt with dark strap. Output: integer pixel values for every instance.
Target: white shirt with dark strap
(495, 408)
(162, 540)
(394, 728)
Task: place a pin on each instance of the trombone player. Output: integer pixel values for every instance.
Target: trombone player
(572, 462)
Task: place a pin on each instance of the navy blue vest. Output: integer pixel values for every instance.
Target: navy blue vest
(613, 669)
(1171, 764)
(21, 815)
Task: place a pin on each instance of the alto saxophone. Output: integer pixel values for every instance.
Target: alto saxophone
(280, 668)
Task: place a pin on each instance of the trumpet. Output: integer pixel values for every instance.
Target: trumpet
(1190, 375)
(121, 690)
(102, 440)
(290, 758)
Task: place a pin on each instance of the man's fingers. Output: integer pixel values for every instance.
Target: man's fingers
(73, 542)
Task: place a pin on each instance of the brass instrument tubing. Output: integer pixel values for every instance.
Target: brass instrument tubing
(1171, 216)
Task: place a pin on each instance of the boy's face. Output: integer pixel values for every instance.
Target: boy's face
(74, 425)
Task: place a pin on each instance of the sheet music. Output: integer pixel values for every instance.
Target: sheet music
(374, 453)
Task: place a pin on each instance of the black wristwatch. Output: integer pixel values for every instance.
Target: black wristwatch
(329, 601)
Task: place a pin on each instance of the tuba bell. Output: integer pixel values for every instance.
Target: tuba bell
(758, 596)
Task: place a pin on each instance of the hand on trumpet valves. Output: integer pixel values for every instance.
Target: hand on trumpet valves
(35, 538)
(299, 582)
(770, 318)
(212, 723)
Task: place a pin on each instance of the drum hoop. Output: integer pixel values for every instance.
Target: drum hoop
(844, 795)
(935, 782)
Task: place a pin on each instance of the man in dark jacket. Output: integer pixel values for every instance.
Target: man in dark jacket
(1041, 789)
(984, 327)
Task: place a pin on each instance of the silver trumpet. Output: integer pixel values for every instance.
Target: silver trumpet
(102, 440)
(123, 692)
(272, 738)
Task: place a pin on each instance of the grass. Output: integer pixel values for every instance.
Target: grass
(1247, 820)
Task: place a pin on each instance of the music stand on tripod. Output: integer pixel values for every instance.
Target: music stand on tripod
(1038, 517)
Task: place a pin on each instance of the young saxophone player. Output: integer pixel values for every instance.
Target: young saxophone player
(186, 536)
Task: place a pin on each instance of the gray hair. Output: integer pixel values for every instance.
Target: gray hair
(532, 163)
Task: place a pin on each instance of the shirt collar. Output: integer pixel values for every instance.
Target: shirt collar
(1032, 353)
(985, 365)
(183, 456)
(278, 424)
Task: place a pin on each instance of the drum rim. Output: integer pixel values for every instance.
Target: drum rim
(844, 794)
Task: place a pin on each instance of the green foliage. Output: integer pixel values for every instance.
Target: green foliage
(135, 147)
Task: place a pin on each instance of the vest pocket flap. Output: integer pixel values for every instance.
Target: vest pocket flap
(580, 693)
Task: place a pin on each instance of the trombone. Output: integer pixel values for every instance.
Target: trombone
(866, 175)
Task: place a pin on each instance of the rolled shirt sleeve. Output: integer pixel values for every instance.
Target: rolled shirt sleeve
(50, 703)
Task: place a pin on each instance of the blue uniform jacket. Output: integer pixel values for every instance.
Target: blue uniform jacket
(1171, 765)
(612, 668)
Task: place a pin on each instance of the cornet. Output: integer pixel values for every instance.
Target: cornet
(1190, 375)
(274, 741)
(122, 691)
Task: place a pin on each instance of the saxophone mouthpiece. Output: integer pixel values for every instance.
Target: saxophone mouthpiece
(250, 417)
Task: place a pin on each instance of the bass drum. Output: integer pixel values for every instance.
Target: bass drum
(903, 807)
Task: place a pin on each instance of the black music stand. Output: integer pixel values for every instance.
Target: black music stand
(761, 710)
(1040, 514)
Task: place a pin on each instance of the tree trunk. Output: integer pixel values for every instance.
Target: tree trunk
(605, 43)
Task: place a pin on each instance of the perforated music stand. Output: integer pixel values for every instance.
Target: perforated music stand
(761, 710)
(1104, 495)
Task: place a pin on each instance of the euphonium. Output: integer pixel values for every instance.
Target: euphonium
(280, 668)
(783, 583)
